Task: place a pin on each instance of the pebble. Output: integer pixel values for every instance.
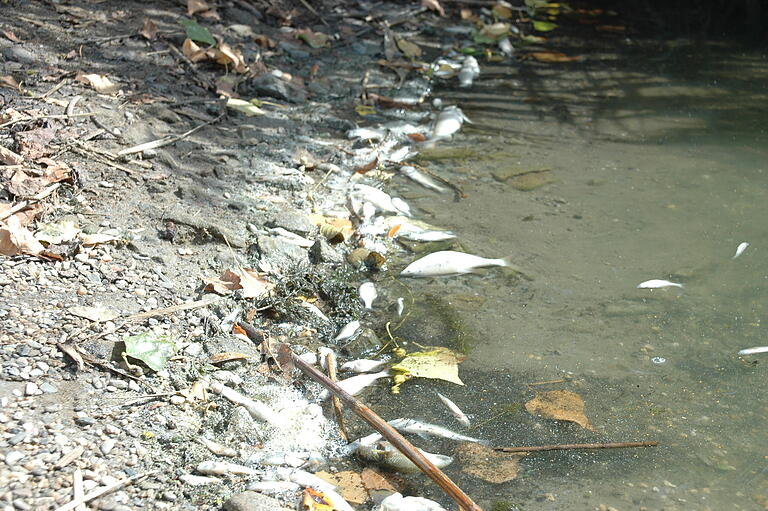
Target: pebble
(107, 446)
(48, 388)
(13, 457)
(31, 389)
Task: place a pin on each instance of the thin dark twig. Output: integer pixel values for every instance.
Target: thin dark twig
(562, 447)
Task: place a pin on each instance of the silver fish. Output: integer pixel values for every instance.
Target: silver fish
(356, 384)
(366, 133)
(400, 306)
(448, 122)
(421, 178)
(754, 351)
(657, 283)
(424, 429)
(274, 487)
(506, 47)
(348, 331)
(387, 455)
(455, 410)
(363, 365)
(740, 249)
(368, 294)
(448, 262)
(426, 236)
(470, 70)
(381, 199)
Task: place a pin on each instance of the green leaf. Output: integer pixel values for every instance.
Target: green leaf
(544, 26)
(152, 349)
(197, 32)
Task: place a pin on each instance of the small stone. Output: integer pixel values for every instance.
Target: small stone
(48, 388)
(82, 291)
(13, 457)
(31, 389)
(107, 446)
(84, 420)
(252, 501)
(21, 505)
(17, 438)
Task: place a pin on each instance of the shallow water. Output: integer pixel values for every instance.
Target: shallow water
(659, 169)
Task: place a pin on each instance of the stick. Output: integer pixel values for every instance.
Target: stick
(52, 116)
(562, 447)
(330, 360)
(170, 139)
(52, 90)
(101, 491)
(36, 198)
(395, 438)
(173, 308)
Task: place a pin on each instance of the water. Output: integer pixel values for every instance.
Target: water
(659, 164)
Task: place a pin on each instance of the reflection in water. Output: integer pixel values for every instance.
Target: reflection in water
(653, 177)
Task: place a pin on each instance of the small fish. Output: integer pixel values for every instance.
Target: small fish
(356, 384)
(421, 178)
(422, 428)
(314, 309)
(388, 456)
(455, 410)
(426, 236)
(363, 365)
(368, 294)
(754, 351)
(448, 262)
(401, 154)
(740, 249)
(448, 122)
(657, 283)
(400, 306)
(381, 199)
(288, 459)
(470, 70)
(506, 47)
(348, 331)
(366, 133)
(274, 487)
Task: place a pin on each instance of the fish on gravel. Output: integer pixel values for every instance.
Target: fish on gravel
(455, 410)
(425, 429)
(381, 199)
(368, 294)
(657, 283)
(363, 365)
(388, 456)
(348, 331)
(426, 236)
(448, 262)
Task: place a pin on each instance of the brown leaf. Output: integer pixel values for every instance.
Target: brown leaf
(349, 484)
(11, 36)
(100, 83)
(313, 39)
(149, 29)
(487, 464)
(373, 481)
(561, 405)
(409, 49)
(367, 167)
(554, 56)
(227, 356)
(228, 56)
(8, 157)
(433, 5)
(192, 51)
(15, 239)
(264, 41)
(195, 6)
(250, 281)
(34, 144)
(9, 82)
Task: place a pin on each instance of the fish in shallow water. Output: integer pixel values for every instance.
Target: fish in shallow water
(754, 351)
(448, 262)
(388, 456)
(363, 365)
(455, 410)
(368, 294)
(448, 122)
(424, 429)
(657, 283)
(356, 384)
(740, 249)
(348, 331)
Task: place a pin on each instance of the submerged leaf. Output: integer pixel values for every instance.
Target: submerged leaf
(440, 363)
(561, 405)
(198, 33)
(544, 26)
(152, 349)
(409, 49)
(487, 464)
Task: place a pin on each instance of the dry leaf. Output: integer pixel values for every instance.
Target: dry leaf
(561, 405)
(192, 51)
(439, 363)
(97, 239)
(313, 39)
(265, 41)
(9, 82)
(100, 83)
(374, 481)
(15, 239)
(250, 281)
(349, 485)
(487, 464)
(96, 314)
(149, 29)
(228, 56)
(195, 6)
(11, 36)
(367, 167)
(34, 144)
(554, 56)
(433, 5)
(314, 500)
(226, 356)
(8, 157)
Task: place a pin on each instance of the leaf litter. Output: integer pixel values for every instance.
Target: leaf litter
(561, 405)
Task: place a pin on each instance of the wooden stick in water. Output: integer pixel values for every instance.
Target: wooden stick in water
(561, 447)
(330, 362)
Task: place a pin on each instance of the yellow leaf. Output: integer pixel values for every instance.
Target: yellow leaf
(245, 107)
(409, 49)
(363, 110)
(439, 363)
(562, 405)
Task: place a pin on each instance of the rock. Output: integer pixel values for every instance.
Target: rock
(107, 446)
(292, 220)
(253, 501)
(48, 388)
(270, 85)
(280, 253)
(19, 54)
(13, 457)
(323, 252)
(31, 389)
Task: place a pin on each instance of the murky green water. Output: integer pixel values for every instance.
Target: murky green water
(659, 170)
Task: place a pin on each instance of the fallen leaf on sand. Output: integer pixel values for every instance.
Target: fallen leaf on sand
(440, 363)
(349, 485)
(97, 314)
(561, 405)
(152, 349)
(313, 39)
(34, 144)
(15, 239)
(227, 356)
(487, 464)
(228, 56)
(11, 36)
(98, 238)
(253, 284)
(54, 233)
(9, 82)
(148, 29)
(100, 83)
(192, 51)
(373, 481)
(433, 5)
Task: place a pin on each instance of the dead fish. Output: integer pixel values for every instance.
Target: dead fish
(348, 331)
(363, 365)
(274, 487)
(448, 262)
(470, 70)
(426, 236)
(388, 456)
(448, 122)
(421, 178)
(366, 133)
(424, 429)
(657, 283)
(368, 294)
(213, 467)
(289, 459)
(314, 309)
(754, 351)
(381, 200)
(396, 502)
(506, 47)
(356, 384)
(400, 306)
(402, 154)
(455, 410)
(740, 249)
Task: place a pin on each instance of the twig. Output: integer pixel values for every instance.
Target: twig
(312, 9)
(109, 38)
(35, 198)
(52, 89)
(52, 116)
(562, 447)
(170, 139)
(330, 362)
(101, 159)
(380, 425)
(103, 490)
(173, 308)
(77, 488)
